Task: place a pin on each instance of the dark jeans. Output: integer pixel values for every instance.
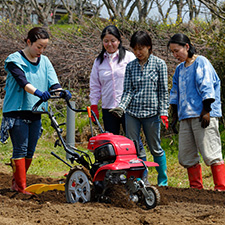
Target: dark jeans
(112, 123)
(151, 128)
(24, 136)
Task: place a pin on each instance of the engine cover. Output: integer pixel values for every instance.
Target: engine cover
(121, 145)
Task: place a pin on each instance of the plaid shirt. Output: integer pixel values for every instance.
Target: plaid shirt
(145, 91)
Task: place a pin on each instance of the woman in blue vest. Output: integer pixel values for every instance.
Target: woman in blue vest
(30, 76)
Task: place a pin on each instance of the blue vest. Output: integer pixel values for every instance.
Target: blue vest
(41, 76)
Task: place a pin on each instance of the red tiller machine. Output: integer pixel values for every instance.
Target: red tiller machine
(116, 162)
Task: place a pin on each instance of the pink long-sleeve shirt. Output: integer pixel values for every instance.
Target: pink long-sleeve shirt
(107, 78)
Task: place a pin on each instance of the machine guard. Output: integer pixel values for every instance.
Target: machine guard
(122, 165)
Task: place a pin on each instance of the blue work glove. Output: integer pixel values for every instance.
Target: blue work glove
(44, 96)
(66, 95)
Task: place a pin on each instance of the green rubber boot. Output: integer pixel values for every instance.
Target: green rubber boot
(161, 169)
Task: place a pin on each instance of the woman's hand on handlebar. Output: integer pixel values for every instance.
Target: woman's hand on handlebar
(65, 94)
(44, 96)
(62, 94)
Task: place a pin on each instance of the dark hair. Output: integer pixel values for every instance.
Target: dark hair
(182, 39)
(37, 33)
(141, 38)
(113, 30)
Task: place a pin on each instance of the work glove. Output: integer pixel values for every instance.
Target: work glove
(204, 118)
(44, 96)
(174, 118)
(66, 95)
(94, 108)
(118, 112)
(165, 121)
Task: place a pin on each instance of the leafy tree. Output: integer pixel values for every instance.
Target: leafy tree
(216, 7)
(193, 8)
(18, 11)
(119, 9)
(79, 7)
(44, 9)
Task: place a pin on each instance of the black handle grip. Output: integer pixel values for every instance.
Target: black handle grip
(35, 107)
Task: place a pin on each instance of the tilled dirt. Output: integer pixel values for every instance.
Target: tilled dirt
(178, 206)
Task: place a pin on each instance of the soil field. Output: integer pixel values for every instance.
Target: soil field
(178, 206)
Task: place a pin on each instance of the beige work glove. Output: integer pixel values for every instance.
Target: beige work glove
(118, 112)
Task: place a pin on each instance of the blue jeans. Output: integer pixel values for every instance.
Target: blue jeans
(151, 128)
(112, 125)
(24, 136)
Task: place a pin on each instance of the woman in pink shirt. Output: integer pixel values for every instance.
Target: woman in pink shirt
(107, 78)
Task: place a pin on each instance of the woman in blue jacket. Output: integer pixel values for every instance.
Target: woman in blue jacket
(195, 99)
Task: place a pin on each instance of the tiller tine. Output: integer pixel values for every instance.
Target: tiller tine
(39, 188)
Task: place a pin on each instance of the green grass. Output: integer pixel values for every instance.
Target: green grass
(45, 164)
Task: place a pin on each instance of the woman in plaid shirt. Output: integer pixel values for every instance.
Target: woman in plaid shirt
(145, 99)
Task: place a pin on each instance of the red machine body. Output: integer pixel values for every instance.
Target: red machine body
(116, 152)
